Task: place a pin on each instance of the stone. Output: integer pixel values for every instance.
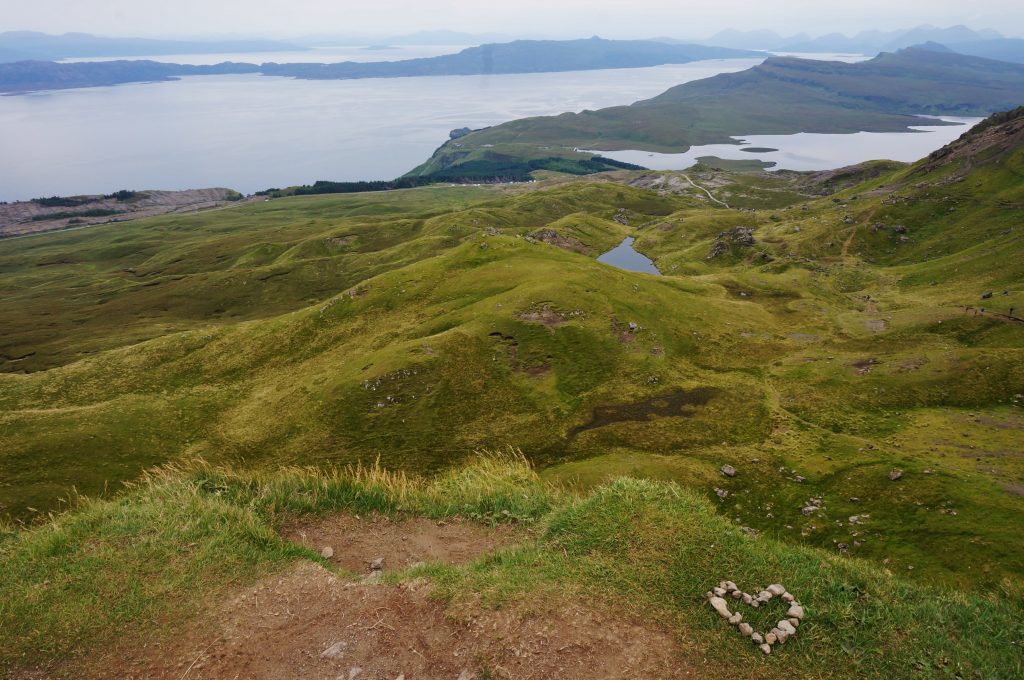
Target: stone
(728, 471)
(466, 675)
(775, 589)
(895, 474)
(736, 618)
(795, 611)
(737, 594)
(794, 622)
(719, 605)
(327, 552)
(730, 586)
(747, 599)
(719, 592)
(788, 597)
(780, 635)
(708, 595)
(767, 649)
(757, 638)
(354, 672)
(771, 638)
(334, 651)
(787, 627)
(746, 630)
(377, 564)
(765, 595)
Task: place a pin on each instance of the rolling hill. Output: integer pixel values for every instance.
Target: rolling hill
(821, 388)
(414, 327)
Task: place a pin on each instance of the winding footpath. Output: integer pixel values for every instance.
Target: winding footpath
(697, 186)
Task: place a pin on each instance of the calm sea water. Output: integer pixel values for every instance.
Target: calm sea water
(250, 132)
(808, 151)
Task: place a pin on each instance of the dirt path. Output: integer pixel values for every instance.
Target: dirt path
(697, 186)
(311, 623)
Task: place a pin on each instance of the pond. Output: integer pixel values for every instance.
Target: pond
(624, 257)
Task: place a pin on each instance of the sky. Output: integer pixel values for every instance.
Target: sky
(554, 18)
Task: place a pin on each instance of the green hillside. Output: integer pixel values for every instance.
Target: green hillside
(784, 95)
(415, 327)
(811, 391)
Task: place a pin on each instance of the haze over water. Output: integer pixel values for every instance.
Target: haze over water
(250, 132)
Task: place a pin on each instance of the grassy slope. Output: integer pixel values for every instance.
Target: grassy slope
(116, 568)
(781, 96)
(415, 343)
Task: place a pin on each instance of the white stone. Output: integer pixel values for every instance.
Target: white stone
(775, 589)
(757, 638)
(795, 611)
(767, 649)
(719, 606)
(719, 592)
(787, 627)
(747, 599)
(746, 630)
(735, 618)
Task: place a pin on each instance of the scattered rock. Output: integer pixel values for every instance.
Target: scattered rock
(728, 471)
(327, 552)
(334, 651)
(377, 564)
(721, 493)
(895, 474)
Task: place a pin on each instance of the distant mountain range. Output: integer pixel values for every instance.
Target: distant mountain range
(522, 56)
(784, 95)
(30, 45)
(865, 42)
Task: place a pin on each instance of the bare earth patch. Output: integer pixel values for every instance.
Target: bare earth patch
(309, 623)
(355, 542)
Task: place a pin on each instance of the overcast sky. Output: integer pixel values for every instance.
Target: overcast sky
(576, 18)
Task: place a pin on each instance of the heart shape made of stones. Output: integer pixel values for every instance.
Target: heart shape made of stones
(719, 597)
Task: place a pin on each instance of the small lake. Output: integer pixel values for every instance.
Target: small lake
(624, 257)
(812, 151)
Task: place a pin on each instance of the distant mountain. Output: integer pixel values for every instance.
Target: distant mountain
(752, 40)
(439, 37)
(522, 56)
(784, 95)
(873, 42)
(30, 45)
(1003, 49)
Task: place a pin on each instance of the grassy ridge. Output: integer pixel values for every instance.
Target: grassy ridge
(110, 567)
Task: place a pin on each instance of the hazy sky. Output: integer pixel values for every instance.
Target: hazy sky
(611, 18)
